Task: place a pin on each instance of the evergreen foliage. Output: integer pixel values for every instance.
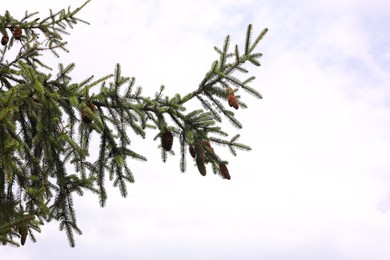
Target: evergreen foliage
(46, 123)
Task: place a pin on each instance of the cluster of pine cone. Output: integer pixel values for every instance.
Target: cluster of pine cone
(197, 152)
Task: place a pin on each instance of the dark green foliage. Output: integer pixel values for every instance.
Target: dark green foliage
(47, 122)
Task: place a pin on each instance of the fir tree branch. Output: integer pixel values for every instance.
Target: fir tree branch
(36, 146)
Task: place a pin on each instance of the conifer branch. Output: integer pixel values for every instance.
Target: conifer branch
(47, 122)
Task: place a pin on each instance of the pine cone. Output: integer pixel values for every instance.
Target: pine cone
(85, 117)
(192, 151)
(201, 166)
(224, 171)
(232, 101)
(199, 152)
(4, 39)
(23, 231)
(231, 98)
(167, 140)
(17, 32)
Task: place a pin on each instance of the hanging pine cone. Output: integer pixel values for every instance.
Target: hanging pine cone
(224, 171)
(232, 101)
(192, 151)
(85, 117)
(200, 159)
(23, 234)
(201, 166)
(4, 39)
(199, 152)
(17, 32)
(167, 140)
(84, 114)
(231, 98)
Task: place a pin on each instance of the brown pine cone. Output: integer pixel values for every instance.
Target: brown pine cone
(231, 98)
(85, 117)
(167, 140)
(4, 39)
(199, 152)
(192, 151)
(232, 101)
(201, 167)
(17, 32)
(224, 171)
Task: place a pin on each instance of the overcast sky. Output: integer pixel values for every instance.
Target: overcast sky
(316, 184)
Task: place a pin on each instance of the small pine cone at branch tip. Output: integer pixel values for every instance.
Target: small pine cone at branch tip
(4, 39)
(17, 32)
(192, 151)
(199, 152)
(201, 167)
(23, 234)
(224, 171)
(167, 140)
(232, 101)
(231, 98)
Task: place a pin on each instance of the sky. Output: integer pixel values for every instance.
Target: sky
(316, 184)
